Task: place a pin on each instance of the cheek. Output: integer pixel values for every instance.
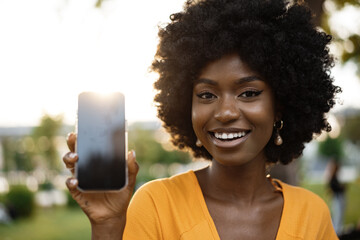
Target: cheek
(262, 116)
(196, 118)
(200, 115)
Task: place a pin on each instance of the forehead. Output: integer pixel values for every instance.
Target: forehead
(229, 65)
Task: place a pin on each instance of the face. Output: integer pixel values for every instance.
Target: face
(233, 111)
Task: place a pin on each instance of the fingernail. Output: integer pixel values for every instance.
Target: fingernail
(133, 153)
(73, 181)
(68, 136)
(72, 155)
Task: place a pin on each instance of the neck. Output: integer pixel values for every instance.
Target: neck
(246, 183)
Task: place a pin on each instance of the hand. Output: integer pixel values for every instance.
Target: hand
(103, 209)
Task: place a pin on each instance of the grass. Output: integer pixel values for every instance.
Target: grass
(71, 223)
(56, 224)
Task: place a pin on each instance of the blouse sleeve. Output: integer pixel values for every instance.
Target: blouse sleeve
(327, 232)
(142, 219)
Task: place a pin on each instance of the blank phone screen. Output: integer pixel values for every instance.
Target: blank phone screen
(101, 142)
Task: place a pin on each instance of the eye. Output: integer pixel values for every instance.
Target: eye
(206, 95)
(250, 93)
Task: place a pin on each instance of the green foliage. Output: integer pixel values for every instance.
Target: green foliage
(46, 186)
(25, 153)
(332, 148)
(342, 3)
(20, 201)
(17, 154)
(351, 129)
(44, 137)
(70, 201)
(49, 126)
(349, 46)
(354, 41)
(98, 3)
(2, 198)
(150, 151)
(153, 158)
(23, 161)
(8, 150)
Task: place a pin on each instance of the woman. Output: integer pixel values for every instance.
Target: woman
(244, 84)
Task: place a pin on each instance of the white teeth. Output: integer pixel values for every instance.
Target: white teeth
(229, 135)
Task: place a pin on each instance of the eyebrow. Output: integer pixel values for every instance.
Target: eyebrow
(238, 81)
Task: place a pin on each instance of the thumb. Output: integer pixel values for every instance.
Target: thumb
(72, 184)
(133, 169)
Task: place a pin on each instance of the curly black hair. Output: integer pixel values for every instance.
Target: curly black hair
(275, 38)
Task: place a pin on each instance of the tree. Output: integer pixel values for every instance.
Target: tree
(98, 3)
(151, 154)
(150, 151)
(351, 129)
(348, 45)
(25, 153)
(9, 148)
(18, 153)
(332, 148)
(44, 137)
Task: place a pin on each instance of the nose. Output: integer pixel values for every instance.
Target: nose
(227, 111)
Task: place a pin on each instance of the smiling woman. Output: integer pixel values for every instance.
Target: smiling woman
(244, 84)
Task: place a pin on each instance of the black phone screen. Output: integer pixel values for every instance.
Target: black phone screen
(101, 142)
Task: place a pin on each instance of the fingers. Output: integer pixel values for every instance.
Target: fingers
(72, 184)
(70, 159)
(133, 168)
(71, 140)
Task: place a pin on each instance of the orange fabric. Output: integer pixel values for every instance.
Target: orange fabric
(174, 208)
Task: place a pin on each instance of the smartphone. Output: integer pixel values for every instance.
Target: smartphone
(101, 142)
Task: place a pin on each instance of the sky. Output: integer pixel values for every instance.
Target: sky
(51, 50)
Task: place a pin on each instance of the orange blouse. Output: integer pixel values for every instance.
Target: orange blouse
(174, 208)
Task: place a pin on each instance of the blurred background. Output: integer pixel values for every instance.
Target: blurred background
(51, 50)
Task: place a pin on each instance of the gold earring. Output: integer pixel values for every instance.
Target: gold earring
(278, 140)
(198, 143)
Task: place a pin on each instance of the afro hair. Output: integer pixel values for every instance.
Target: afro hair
(275, 38)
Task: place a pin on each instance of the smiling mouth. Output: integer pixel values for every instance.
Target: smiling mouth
(229, 136)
